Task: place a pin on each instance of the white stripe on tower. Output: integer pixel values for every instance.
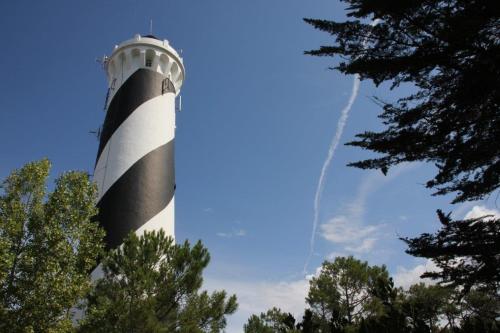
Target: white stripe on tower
(146, 125)
(134, 169)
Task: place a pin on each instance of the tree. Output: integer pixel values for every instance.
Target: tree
(324, 302)
(342, 294)
(423, 306)
(480, 312)
(381, 307)
(388, 315)
(273, 321)
(308, 324)
(449, 51)
(48, 244)
(151, 284)
(477, 240)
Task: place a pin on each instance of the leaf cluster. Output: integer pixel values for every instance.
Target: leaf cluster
(48, 244)
(273, 321)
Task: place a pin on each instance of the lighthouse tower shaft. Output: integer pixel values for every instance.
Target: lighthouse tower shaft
(134, 168)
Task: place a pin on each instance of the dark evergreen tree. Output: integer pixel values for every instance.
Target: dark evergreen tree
(467, 252)
(450, 51)
(390, 318)
(308, 324)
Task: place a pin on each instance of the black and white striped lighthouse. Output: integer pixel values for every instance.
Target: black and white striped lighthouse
(134, 169)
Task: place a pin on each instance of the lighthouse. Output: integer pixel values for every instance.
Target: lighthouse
(134, 169)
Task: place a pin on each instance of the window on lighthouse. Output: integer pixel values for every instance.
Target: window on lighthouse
(149, 58)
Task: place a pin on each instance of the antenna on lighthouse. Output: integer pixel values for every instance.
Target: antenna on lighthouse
(151, 26)
(97, 132)
(102, 61)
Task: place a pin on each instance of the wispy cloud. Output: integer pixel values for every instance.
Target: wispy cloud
(354, 237)
(259, 296)
(233, 233)
(478, 211)
(208, 210)
(366, 246)
(473, 209)
(405, 277)
(344, 230)
(240, 233)
(348, 228)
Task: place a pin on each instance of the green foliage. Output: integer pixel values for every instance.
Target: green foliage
(349, 287)
(480, 311)
(342, 293)
(308, 323)
(48, 244)
(477, 325)
(449, 51)
(273, 321)
(423, 305)
(151, 284)
(467, 252)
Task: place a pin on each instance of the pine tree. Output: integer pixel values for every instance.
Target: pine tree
(272, 321)
(344, 292)
(151, 284)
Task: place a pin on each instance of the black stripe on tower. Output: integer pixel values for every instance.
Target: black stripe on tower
(143, 191)
(140, 87)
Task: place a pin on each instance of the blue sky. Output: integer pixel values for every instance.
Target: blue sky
(256, 123)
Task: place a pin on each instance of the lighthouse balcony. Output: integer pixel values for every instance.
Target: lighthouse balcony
(144, 52)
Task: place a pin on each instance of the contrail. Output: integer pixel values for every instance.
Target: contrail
(344, 114)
